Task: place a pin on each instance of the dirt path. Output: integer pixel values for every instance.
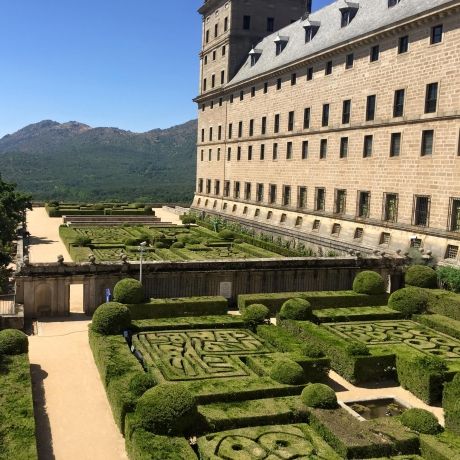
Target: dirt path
(73, 415)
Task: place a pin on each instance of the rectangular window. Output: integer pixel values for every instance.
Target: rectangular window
(310, 73)
(202, 155)
(370, 108)
(364, 199)
(263, 128)
(213, 80)
(323, 149)
(328, 69)
(385, 239)
(246, 22)
(202, 135)
(276, 127)
(320, 199)
(291, 121)
(270, 24)
(207, 36)
(240, 129)
(436, 34)
(230, 130)
(220, 101)
(208, 186)
(358, 235)
(210, 134)
(210, 155)
(302, 198)
(216, 30)
(293, 79)
(325, 116)
(343, 147)
(289, 151)
(375, 53)
(251, 127)
(340, 201)
(431, 98)
(367, 146)
(229, 154)
(275, 151)
(247, 190)
(454, 223)
(236, 189)
(225, 24)
(219, 132)
(278, 83)
(212, 104)
(231, 98)
(286, 195)
(262, 151)
(253, 91)
(272, 194)
(222, 77)
(451, 252)
(218, 154)
(223, 50)
(304, 150)
(306, 118)
(421, 210)
(398, 103)
(403, 44)
(241, 95)
(349, 60)
(390, 207)
(346, 111)
(227, 188)
(260, 193)
(250, 153)
(217, 187)
(200, 185)
(238, 154)
(427, 142)
(395, 145)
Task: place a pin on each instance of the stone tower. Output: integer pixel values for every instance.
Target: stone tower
(232, 27)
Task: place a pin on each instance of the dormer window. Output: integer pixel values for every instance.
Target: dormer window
(348, 11)
(392, 3)
(254, 56)
(280, 43)
(311, 28)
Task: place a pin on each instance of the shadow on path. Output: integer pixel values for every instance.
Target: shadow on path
(42, 423)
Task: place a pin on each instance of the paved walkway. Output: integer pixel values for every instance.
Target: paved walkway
(73, 414)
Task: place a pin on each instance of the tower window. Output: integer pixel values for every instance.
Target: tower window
(289, 151)
(343, 147)
(367, 147)
(293, 79)
(403, 44)
(375, 53)
(427, 142)
(370, 108)
(278, 83)
(398, 104)
(276, 127)
(251, 127)
(238, 154)
(436, 34)
(310, 73)
(253, 91)
(304, 150)
(262, 152)
(265, 88)
(240, 129)
(325, 116)
(222, 77)
(395, 145)
(225, 24)
(306, 118)
(263, 128)
(431, 97)
(346, 111)
(349, 60)
(328, 69)
(246, 22)
(323, 149)
(291, 121)
(260, 192)
(275, 151)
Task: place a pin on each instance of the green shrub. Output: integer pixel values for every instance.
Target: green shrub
(160, 245)
(368, 282)
(451, 404)
(319, 396)
(188, 239)
(409, 301)
(99, 207)
(128, 290)
(357, 349)
(53, 212)
(296, 309)
(288, 372)
(421, 276)
(226, 235)
(141, 382)
(111, 318)
(312, 351)
(444, 303)
(449, 278)
(178, 245)
(138, 205)
(255, 314)
(167, 409)
(13, 342)
(132, 241)
(82, 241)
(187, 220)
(420, 420)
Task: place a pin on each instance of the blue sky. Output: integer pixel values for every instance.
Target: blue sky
(131, 64)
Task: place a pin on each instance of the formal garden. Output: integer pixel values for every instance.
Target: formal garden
(187, 380)
(58, 209)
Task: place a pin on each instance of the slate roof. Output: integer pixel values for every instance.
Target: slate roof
(371, 15)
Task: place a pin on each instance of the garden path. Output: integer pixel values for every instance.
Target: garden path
(74, 420)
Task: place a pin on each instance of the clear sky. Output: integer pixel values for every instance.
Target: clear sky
(131, 64)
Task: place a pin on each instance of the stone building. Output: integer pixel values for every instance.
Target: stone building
(339, 127)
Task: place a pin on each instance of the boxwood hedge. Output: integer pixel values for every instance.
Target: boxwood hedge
(451, 405)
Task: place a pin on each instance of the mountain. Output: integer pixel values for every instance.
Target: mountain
(75, 162)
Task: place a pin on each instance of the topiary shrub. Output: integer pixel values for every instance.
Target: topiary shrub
(319, 396)
(288, 372)
(296, 309)
(421, 276)
(128, 290)
(187, 220)
(82, 241)
(178, 245)
(255, 314)
(167, 409)
(13, 342)
(368, 282)
(420, 420)
(409, 300)
(310, 350)
(140, 383)
(188, 239)
(357, 349)
(111, 318)
(226, 235)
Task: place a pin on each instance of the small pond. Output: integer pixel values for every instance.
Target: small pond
(376, 408)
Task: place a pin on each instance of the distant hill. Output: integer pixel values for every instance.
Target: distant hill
(74, 162)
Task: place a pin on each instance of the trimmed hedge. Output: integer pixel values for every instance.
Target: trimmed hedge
(444, 303)
(421, 276)
(13, 342)
(440, 447)
(369, 282)
(128, 290)
(189, 322)
(288, 372)
(440, 323)
(319, 396)
(336, 315)
(182, 306)
(451, 405)
(111, 318)
(317, 299)
(297, 309)
(409, 301)
(255, 314)
(420, 420)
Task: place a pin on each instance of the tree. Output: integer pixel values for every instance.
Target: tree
(13, 206)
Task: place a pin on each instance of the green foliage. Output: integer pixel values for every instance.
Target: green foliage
(288, 372)
(368, 282)
(421, 276)
(167, 409)
(226, 235)
(409, 301)
(160, 245)
(449, 278)
(443, 446)
(128, 290)
(334, 315)
(297, 309)
(111, 318)
(320, 396)
(133, 241)
(140, 383)
(82, 241)
(255, 314)
(178, 245)
(357, 349)
(17, 423)
(13, 342)
(420, 420)
(441, 323)
(451, 404)
(312, 351)
(444, 303)
(187, 220)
